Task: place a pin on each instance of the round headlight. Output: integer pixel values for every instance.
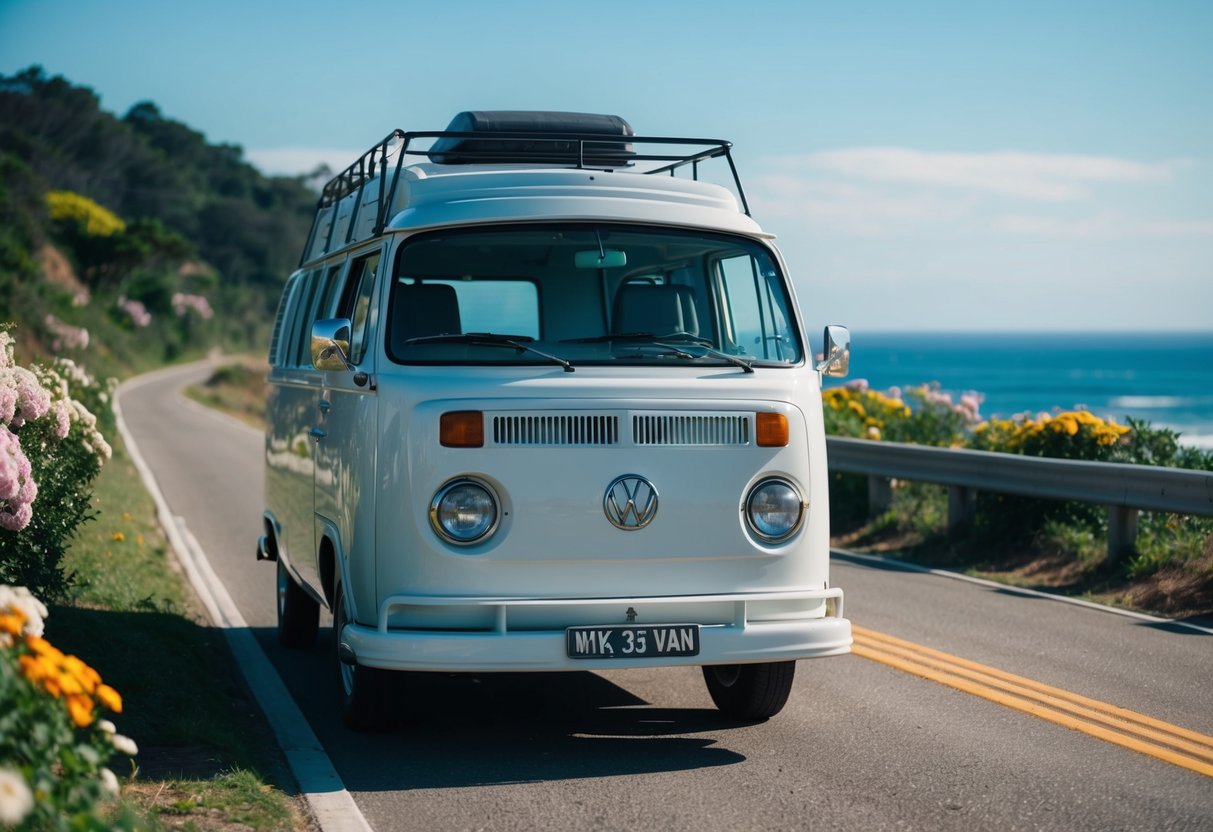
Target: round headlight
(464, 512)
(774, 509)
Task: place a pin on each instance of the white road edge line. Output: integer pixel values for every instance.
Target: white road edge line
(1034, 593)
(331, 804)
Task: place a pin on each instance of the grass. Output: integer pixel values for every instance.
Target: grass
(207, 760)
(237, 389)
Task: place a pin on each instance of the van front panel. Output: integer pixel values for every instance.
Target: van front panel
(552, 476)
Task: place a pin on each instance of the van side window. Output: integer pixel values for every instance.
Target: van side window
(313, 301)
(303, 301)
(281, 321)
(327, 298)
(356, 302)
(755, 315)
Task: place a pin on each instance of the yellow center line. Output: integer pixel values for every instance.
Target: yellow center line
(1128, 729)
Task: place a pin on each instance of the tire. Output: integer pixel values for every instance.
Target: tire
(750, 691)
(363, 691)
(298, 612)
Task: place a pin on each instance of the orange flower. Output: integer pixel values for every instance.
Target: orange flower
(81, 673)
(109, 698)
(80, 707)
(12, 621)
(42, 647)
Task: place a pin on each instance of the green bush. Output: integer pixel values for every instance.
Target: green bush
(50, 452)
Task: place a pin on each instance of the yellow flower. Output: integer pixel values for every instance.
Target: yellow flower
(1064, 424)
(857, 409)
(97, 221)
(119, 537)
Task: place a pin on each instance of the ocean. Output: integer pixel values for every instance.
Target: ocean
(1166, 379)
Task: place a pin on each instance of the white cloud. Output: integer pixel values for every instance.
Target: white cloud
(901, 192)
(854, 209)
(1102, 226)
(295, 161)
(1029, 176)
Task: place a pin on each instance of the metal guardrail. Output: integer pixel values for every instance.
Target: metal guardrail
(1125, 489)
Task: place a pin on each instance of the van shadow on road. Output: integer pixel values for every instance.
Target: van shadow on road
(458, 730)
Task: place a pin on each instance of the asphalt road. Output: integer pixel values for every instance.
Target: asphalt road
(860, 746)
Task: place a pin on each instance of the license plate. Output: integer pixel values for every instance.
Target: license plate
(632, 642)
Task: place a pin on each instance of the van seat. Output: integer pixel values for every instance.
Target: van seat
(659, 309)
(423, 309)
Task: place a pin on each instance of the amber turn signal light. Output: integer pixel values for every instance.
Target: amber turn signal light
(461, 429)
(772, 430)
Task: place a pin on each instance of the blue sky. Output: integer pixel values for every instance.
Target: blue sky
(926, 166)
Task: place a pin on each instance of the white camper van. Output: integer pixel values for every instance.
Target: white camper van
(541, 400)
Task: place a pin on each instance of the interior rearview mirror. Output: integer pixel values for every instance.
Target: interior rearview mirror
(611, 258)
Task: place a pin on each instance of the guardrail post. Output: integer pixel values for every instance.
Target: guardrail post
(880, 495)
(962, 504)
(1122, 531)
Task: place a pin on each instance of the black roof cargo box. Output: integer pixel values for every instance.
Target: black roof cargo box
(495, 137)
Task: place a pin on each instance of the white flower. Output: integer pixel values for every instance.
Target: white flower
(20, 598)
(109, 782)
(16, 799)
(124, 744)
(106, 727)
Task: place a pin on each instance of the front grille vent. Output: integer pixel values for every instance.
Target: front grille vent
(672, 429)
(570, 429)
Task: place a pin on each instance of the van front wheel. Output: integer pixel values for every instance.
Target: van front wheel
(750, 691)
(298, 612)
(363, 690)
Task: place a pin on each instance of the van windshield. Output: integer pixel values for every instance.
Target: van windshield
(589, 295)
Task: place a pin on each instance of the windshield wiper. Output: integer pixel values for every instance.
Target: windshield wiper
(671, 342)
(491, 339)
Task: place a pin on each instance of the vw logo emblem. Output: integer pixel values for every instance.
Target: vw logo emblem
(630, 502)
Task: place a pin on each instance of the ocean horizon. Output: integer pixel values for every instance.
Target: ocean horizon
(1164, 378)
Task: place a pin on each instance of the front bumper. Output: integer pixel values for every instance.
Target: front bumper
(501, 648)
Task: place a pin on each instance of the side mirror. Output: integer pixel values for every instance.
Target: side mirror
(331, 344)
(836, 360)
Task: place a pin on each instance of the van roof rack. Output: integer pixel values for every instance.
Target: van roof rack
(573, 140)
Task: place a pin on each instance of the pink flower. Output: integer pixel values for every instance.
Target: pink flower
(33, 400)
(63, 418)
(17, 488)
(66, 336)
(138, 313)
(183, 303)
(8, 401)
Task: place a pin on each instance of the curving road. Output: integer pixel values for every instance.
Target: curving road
(861, 745)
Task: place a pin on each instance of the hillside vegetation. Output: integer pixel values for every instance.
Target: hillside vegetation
(124, 243)
(128, 241)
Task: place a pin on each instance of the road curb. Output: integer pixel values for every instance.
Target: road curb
(330, 802)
